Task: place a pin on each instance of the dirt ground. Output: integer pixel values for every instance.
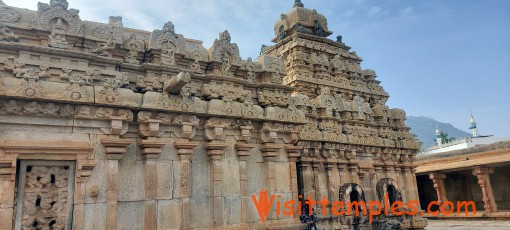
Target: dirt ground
(468, 224)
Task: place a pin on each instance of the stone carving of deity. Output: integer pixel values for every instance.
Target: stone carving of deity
(360, 107)
(57, 36)
(168, 56)
(225, 63)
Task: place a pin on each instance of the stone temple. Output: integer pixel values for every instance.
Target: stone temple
(107, 127)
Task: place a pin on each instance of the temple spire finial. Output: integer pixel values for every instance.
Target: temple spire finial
(298, 3)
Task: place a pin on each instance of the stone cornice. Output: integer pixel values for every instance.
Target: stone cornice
(25, 148)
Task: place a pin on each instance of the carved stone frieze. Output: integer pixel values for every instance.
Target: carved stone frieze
(102, 113)
(112, 93)
(149, 82)
(273, 97)
(226, 92)
(30, 86)
(34, 108)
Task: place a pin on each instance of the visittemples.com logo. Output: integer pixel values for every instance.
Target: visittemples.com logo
(265, 202)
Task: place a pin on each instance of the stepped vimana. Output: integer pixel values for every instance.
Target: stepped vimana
(108, 127)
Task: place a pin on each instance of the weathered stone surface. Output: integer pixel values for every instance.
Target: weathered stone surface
(97, 212)
(129, 215)
(200, 212)
(131, 183)
(169, 214)
(152, 151)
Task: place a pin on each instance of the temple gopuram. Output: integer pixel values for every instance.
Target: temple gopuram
(108, 127)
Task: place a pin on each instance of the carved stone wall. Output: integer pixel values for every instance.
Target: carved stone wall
(164, 132)
(45, 195)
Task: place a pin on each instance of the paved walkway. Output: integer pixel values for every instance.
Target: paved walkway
(468, 224)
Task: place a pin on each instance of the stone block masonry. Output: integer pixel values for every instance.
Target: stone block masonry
(107, 127)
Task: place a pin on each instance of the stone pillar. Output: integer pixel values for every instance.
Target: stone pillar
(293, 152)
(185, 129)
(410, 180)
(390, 171)
(315, 174)
(353, 171)
(216, 151)
(332, 183)
(243, 152)
(269, 152)
(308, 185)
(83, 172)
(401, 182)
(342, 169)
(483, 175)
(415, 182)
(184, 150)
(438, 180)
(377, 177)
(114, 149)
(151, 148)
(7, 180)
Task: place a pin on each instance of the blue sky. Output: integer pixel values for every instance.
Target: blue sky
(436, 58)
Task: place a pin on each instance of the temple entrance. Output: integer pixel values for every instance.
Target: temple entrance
(45, 195)
(387, 189)
(350, 193)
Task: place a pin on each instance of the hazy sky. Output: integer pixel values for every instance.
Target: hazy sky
(437, 58)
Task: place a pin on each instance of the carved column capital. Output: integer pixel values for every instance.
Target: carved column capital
(151, 148)
(215, 150)
(269, 132)
(84, 170)
(269, 151)
(293, 152)
(8, 169)
(482, 170)
(353, 167)
(149, 128)
(186, 126)
(437, 175)
(329, 165)
(243, 150)
(316, 165)
(341, 166)
(115, 147)
(245, 134)
(185, 148)
(118, 126)
(215, 128)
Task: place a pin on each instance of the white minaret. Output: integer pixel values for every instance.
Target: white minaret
(474, 130)
(438, 137)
